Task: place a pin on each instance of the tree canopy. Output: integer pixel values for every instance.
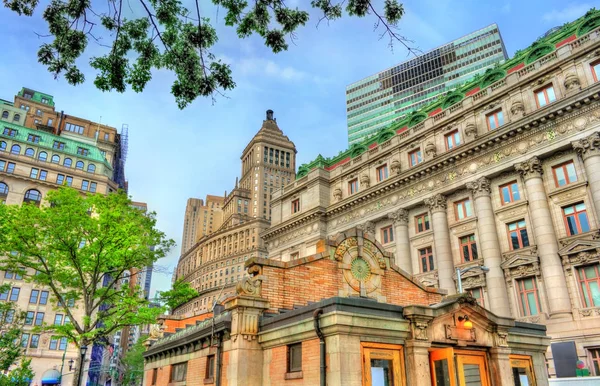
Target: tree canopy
(181, 293)
(83, 249)
(166, 34)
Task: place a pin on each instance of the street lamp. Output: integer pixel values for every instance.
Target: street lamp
(82, 350)
(71, 361)
(460, 272)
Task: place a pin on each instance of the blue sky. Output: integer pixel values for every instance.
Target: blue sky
(175, 154)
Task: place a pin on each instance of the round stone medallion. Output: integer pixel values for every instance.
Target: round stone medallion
(360, 269)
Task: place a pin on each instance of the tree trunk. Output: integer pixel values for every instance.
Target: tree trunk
(78, 371)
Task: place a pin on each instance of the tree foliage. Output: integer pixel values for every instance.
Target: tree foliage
(82, 248)
(181, 293)
(181, 39)
(18, 376)
(133, 363)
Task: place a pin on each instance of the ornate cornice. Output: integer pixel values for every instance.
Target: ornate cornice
(400, 216)
(436, 203)
(588, 147)
(480, 187)
(532, 168)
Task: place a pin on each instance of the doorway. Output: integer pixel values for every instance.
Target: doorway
(382, 365)
(451, 367)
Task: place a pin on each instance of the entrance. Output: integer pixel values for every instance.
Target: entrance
(382, 365)
(451, 367)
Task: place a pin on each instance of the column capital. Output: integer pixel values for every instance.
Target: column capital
(588, 147)
(480, 187)
(436, 203)
(532, 168)
(400, 216)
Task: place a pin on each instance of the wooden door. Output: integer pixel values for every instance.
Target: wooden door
(382, 365)
(441, 362)
(472, 370)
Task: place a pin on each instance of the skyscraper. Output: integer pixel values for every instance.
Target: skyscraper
(380, 100)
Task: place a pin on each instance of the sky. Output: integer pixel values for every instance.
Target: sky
(176, 154)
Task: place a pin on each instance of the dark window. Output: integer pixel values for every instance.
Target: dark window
(517, 234)
(24, 340)
(58, 145)
(576, 219)
(294, 357)
(387, 234)
(154, 376)
(296, 205)
(210, 367)
(595, 358)
(426, 256)
(468, 248)
(35, 341)
(178, 372)
(10, 132)
(33, 138)
(33, 196)
(5, 114)
(29, 318)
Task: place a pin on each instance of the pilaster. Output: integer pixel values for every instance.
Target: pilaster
(418, 371)
(500, 369)
(589, 150)
(403, 258)
(441, 238)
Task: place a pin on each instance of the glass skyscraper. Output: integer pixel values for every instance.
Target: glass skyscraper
(380, 100)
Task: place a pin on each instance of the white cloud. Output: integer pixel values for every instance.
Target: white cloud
(569, 13)
(257, 66)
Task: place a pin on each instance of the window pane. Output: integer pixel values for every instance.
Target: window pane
(500, 118)
(595, 293)
(541, 98)
(569, 210)
(551, 95)
(572, 226)
(514, 240)
(474, 251)
(560, 176)
(505, 195)
(528, 284)
(466, 253)
(515, 192)
(532, 304)
(492, 122)
(468, 208)
(571, 172)
(524, 238)
(431, 267)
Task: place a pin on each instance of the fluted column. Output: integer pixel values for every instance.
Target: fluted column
(403, 258)
(589, 150)
(441, 237)
(554, 279)
(489, 246)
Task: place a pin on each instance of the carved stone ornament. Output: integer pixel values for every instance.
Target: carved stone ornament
(399, 216)
(395, 166)
(419, 330)
(572, 82)
(251, 286)
(430, 149)
(365, 182)
(480, 187)
(471, 130)
(368, 227)
(156, 332)
(337, 194)
(588, 146)
(530, 168)
(502, 339)
(517, 110)
(436, 203)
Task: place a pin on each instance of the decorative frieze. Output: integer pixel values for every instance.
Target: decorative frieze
(532, 168)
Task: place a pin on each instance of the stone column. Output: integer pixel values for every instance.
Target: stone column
(403, 258)
(500, 369)
(489, 247)
(441, 238)
(418, 371)
(556, 286)
(589, 150)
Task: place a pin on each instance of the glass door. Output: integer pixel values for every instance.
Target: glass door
(442, 367)
(522, 370)
(472, 369)
(382, 365)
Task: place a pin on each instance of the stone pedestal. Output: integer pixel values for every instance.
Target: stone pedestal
(489, 247)
(545, 237)
(441, 237)
(417, 363)
(403, 258)
(589, 150)
(500, 370)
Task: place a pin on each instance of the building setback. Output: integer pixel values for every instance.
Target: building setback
(200, 220)
(380, 100)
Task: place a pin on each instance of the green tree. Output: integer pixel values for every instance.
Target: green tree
(82, 249)
(166, 34)
(18, 376)
(181, 293)
(133, 363)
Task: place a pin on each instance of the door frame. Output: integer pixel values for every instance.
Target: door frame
(367, 349)
(474, 357)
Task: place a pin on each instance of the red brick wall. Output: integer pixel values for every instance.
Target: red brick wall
(310, 365)
(172, 324)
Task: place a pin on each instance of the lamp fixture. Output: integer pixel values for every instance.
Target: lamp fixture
(465, 322)
(71, 361)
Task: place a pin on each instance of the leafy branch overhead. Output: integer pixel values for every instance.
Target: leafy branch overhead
(165, 34)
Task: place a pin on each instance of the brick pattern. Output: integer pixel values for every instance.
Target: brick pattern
(310, 365)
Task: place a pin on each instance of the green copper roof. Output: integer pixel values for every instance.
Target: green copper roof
(4, 102)
(38, 96)
(47, 142)
(541, 47)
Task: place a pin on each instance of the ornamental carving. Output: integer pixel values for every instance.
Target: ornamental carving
(572, 82)
(501, 339)
(365, 181)
(517, 110)
(471, 130)
(530, 168)
(587, 312)
(473, 282)
(362, 264)
(430, 149)
(436, 203)
(250, 286)
(588, 146)
(480, 187)
(399, 216)
(395, 167)
(337, 194)
(419, 330)
(367, 227)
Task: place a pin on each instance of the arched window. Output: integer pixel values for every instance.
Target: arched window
(16, 117)
(68, 162)
(43, 156)
(33, 196)
(29, 152)
(15, 149)
(55, 159)
(2, 145)
(5, 114)
(3, 190)
(79, 165)
(91, 168)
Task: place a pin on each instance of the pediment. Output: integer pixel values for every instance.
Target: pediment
(518, 260)
(578, 246)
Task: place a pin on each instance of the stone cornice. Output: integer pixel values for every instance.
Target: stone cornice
(293, 222)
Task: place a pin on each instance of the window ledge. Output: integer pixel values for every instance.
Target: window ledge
(294, 375)
(567, 187)
(208, 381)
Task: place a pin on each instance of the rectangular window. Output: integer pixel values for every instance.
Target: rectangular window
(29, 318)
(564, 174)
(414, 157)
(34, 173)
(10, 167)
(74, 128)
(35, 341)
(422, 222)
(106, 136)
(210, 367)
(596, 73)
(296, 206)
(43, 175)
(595, 359)
(293, 256)
(53, 343)
(62, 346)
(463, 209)
(589, 283)
(24, 340)
(58, 145)
(468, 248)
(452, 140)
(33, 138)
(387, 235)
(477, 293)
(2, 165)
(69, 180)
(528, 296)
(10, 132)
(154, 376)
(82, 151)
(93, 188)
(8, 274)
(426, 256)
(85, 185)
(14, 294)
(544, 96)
(60, 179)
(382, 173)
(43, 297)
(178, 372)
(39, 318)
(294, 352)
(576, 219)
(50, 121)
(495, 119)
(509, 193)
(33, 298)
(4, 295)
(58, 319)
(517, 234)
(522, 370)
(353, 186)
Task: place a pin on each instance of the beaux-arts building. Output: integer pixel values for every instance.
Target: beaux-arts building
(503, 173)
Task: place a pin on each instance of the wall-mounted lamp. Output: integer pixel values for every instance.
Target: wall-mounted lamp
(465, 322)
